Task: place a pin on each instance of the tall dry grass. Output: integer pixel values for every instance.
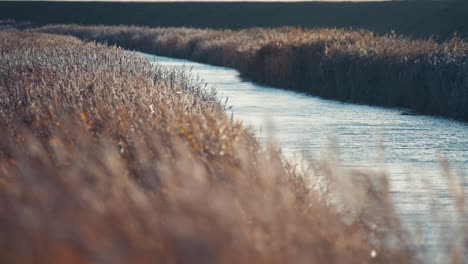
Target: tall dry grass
(356, 66)
(106, 159)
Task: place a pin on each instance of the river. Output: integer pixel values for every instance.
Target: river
(409, 147)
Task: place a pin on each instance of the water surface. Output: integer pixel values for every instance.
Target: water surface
(367, 137)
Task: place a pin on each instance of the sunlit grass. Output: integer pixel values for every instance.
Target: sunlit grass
(349, 65)
(106, 159)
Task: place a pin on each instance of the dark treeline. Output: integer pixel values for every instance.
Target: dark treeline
(439, 19)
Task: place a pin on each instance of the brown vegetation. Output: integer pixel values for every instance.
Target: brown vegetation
(105, 159)
(355, 66)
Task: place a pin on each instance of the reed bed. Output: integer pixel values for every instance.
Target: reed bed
(439, 19)
(106, 159)
(348, 65)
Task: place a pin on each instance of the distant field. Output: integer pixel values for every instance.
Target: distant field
(416, 18)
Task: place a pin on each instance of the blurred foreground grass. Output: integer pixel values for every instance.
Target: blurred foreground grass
(106, 159)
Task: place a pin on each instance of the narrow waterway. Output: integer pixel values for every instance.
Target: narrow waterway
(408, 147)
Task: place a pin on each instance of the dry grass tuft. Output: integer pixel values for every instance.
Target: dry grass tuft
(105, 159)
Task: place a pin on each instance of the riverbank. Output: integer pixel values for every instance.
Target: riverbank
(353, 66)
(106, 159)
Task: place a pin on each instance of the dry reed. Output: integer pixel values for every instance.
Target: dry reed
(348, 65)
(106, 159)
